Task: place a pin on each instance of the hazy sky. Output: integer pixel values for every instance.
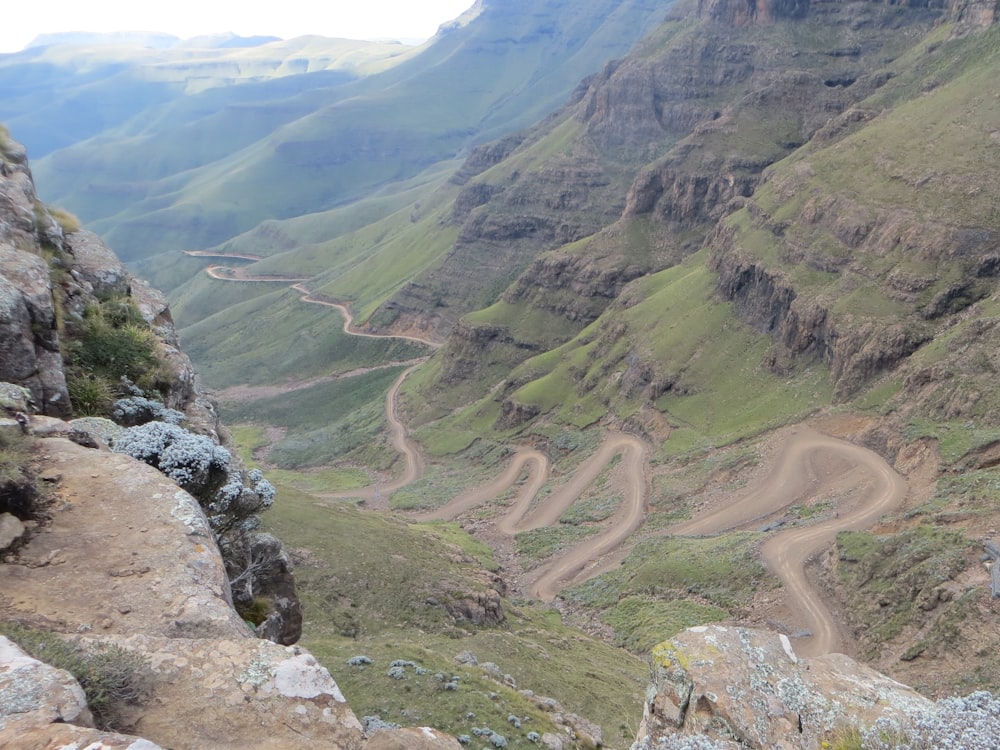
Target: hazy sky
(352, 19)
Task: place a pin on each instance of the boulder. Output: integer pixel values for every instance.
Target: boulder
(69, 737)
(96, 263)
(749, 687)
(11, 529)
(126, 551)
(33, 694)
(230, 694)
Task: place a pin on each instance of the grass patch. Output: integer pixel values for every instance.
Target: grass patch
(112, 677)
(452, 533)
(376, 586)
(901, 573)
(955, 439)
(724, 571)
(641, 622)
(324, 422)
(539, 544)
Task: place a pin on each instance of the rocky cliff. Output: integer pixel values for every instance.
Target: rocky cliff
(111, 561)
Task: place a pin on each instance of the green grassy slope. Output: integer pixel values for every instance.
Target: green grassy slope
(325, 146)
(374, 586)
(283, 344)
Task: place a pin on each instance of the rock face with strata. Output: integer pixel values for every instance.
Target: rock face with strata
(748, 687)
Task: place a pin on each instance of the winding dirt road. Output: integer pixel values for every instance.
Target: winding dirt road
(809, 463)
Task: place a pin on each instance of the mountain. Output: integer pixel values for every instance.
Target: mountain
(713, 341)
(317, 139)
(762, 217)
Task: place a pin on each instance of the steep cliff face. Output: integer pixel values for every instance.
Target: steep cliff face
(109, 523)
(679, 136)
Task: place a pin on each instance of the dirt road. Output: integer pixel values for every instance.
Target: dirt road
(547, 580)
(808, 464)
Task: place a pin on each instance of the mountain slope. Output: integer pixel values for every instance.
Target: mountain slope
(505, 66)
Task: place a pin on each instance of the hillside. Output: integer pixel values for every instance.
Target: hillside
(752, 220)
(314, 120)
(713, 342)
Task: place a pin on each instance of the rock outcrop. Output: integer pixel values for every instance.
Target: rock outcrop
(748, 688)
(127, 558)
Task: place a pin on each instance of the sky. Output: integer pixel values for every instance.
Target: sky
(351, 19)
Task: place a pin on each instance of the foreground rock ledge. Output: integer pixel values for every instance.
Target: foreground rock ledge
(128, 559)
(749, 688)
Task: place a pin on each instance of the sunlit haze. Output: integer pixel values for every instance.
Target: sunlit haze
(369, 19)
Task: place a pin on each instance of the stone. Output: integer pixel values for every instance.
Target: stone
(234, 693)
(11, 529)
(412, 738)
(69, 737)
(14, 398)
(727, 682)
(97, 264)
(34, 694)
(172, 577)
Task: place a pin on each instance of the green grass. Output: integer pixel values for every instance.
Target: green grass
(276, 337)
(539, 544)
(376, 586)
(323, 422)
(724, 571)
(640, 622)
(898, 573)
(955, 439)
(683, 336)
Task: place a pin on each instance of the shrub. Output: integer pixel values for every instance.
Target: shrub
(373, 723)
(91, 395)
(137, 410)
(112, 677)
(193, 461)
(65, 219)
(110, 342)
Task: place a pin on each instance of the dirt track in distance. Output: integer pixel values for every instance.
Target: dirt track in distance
(809, 463)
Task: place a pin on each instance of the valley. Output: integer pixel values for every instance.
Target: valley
(583, 325)
(806, 466)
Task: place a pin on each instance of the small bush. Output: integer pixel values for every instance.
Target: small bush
(107, 350)
(66, 220)
(111, 677)
(91, 395)
(137, 410)
(193, 461)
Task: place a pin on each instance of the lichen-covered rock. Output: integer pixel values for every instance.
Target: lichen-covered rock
(69, 737)
(14, 398)
(240, 693)
(748, 686)
(29, 344)
(126, 551)
(412, 738)
(34, 694)
(96, 263)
